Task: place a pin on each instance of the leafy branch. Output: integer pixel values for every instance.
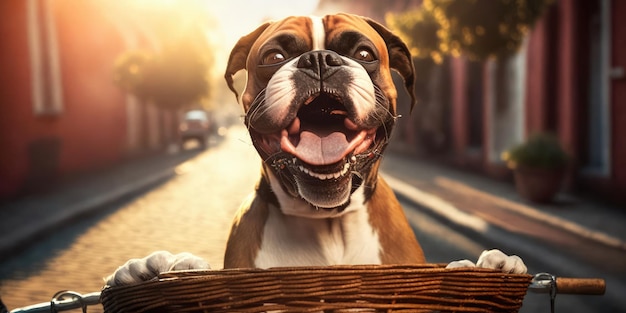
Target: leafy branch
(476, 28)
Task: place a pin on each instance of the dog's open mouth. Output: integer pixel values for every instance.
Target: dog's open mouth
(321, 137)
(322, 134)
(320, 148)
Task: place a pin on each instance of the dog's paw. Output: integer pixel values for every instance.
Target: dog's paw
(461, 263)
(494, 259)
(140, 270)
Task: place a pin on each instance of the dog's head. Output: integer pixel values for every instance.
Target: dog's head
(320, 104)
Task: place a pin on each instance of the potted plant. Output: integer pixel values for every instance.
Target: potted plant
(538, 165)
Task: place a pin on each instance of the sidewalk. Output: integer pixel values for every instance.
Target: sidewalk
(28, 219)
(483, 200)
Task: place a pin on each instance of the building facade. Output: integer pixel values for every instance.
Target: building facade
(60, 112)
(568, 78)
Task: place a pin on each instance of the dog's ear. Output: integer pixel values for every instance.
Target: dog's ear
(399, 57)
(239, 56)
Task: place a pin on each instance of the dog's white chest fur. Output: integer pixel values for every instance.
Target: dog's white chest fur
(300, 241)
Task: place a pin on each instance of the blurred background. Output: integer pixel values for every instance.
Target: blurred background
(98, 95)
(86, 84)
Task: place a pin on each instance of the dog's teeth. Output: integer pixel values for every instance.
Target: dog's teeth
(310, 99)
(320, 176)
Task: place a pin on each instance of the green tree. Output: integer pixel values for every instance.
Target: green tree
(419, 29)
(129, 72)
(175, 78)
(476, 28)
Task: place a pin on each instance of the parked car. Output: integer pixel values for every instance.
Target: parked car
(195, 125)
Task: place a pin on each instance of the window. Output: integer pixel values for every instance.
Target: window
(46, 83)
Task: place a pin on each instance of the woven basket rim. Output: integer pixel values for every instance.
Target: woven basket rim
(334, 269)
(310, 288)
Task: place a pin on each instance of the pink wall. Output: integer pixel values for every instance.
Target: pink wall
(459, 123)
(536, 68)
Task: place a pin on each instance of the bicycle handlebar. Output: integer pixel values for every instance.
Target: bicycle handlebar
(580, 286)
(547, 283)
(60, 303)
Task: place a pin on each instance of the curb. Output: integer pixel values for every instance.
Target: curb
(548, 219)
(457, 216)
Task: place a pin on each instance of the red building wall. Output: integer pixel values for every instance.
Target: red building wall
(557, 92)
(13, 97)
(567, 75)
(618, 96)
(90, 130)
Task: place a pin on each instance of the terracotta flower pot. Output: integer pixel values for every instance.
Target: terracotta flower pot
(538, 184)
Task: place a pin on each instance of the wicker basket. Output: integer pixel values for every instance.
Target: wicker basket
(369, 288)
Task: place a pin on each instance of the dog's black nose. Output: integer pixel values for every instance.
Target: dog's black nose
(320, 64)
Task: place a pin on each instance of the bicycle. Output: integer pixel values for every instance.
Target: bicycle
(539, 283)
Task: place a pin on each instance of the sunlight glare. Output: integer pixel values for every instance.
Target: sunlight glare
(221, 23)
(239, 17)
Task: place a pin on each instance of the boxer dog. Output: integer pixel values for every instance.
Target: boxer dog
(320, 106)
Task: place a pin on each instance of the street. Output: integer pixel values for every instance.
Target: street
(192, 212)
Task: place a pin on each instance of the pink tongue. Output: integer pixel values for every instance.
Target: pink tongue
(317, 150)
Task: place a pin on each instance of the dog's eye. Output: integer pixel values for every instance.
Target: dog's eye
(364, 54)
(273, 57)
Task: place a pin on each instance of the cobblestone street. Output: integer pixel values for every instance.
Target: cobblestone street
(191, 212)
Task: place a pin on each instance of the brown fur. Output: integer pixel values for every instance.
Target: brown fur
(397, 240)
(246, 233)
